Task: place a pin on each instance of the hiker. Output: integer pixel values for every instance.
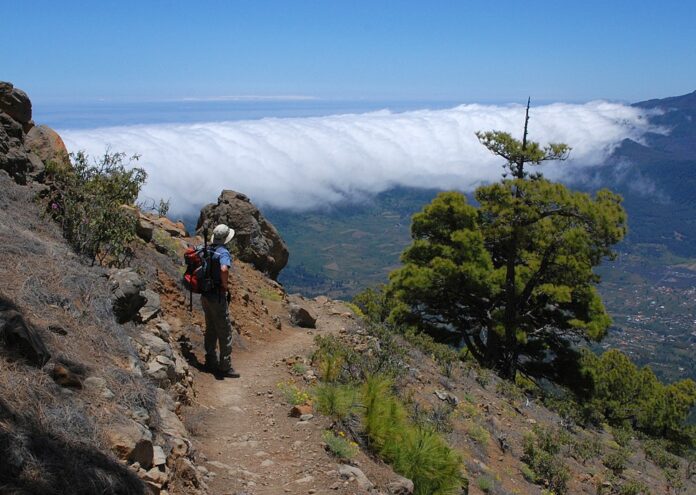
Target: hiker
(215, 302)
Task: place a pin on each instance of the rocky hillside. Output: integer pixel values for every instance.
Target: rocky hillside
(102, 388)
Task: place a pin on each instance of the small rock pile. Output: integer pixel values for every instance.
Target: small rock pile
(156, 448)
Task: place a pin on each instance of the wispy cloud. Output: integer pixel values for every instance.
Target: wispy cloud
(301, 163)
(250, 98)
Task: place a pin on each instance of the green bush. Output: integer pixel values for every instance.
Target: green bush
(339, 446)
(416, 453)
(541, 454)
(443, 354)
(87, 200)
(586, 448)
(337, 361)
(374, 304)
(485, 484)
(621, 392)
(528, 473)
(477, 433)
(509, 390)
(617, 460)
(632, 487)
(655, 451)
(623, 436)
(334, 400)
(298, 368)
(293, 394)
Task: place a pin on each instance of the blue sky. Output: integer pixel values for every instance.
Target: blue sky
(428, 50)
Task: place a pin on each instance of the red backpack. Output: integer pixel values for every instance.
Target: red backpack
(200, 262)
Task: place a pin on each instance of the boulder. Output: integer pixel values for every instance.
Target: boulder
(155, 345)
(15, 103)
(256, 240)
(301, 410)
(401, 486)
(301, 317)
(151, 308)
(346, 472)
(20, 338)
(143, 453)
(47, 145)
(124, 436)
(126, 286)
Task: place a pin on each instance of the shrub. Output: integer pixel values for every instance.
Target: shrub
(337, 361)
(427, 460)
(355, 309)
(528, 473)
(617, 460)
(374, 304)
(483, 377)
(443, 354)
(485, 483)
(477, 433)
(298, 368)
(293, 394)
(416, 453)
(163, 207)
(509, 390)
(337, 401)
(586, 448)
(541, 455)
(623, 436)
(87, 200)
(632, 487)
(656, 452)
(339, 446)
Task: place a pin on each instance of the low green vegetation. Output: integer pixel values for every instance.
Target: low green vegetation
(477, 432)
(299, 368)
(335, 400)
(339, 446)
(586, 448)
(270, 295)
(293, 394)
(542, 455)
(485, 483)
(616, 460)
(88, 201)
(627, 397)
(351, 390)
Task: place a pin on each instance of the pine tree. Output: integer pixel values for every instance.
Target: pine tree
(514, 276)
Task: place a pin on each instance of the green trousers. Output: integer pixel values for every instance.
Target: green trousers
(218, 330)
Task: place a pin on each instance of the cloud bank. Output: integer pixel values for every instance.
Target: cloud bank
(303, 163)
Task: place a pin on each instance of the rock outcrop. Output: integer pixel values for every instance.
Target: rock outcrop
(126, 294)
(25, 149)
(256, 240)
(46, 144)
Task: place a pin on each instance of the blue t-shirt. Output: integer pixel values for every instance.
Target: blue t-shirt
(221, 257)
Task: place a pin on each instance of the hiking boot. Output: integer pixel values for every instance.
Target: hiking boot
(230, 373)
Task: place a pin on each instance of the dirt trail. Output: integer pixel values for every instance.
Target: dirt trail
(242, 426)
